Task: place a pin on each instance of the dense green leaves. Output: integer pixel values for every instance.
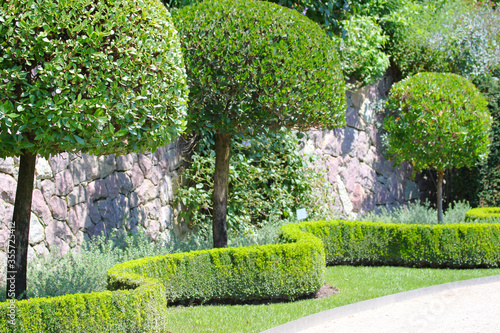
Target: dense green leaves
(437, 121)
(257, 64)
(78, 74)
(267, 181)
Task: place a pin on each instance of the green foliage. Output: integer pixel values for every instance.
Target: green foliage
(103, 77)
(118, 311)
(268, 180)
(253, 64)
(483, 214)
(448, 36)
(439, 121)
(490, 171)
(417, 213)
(362, 49)
(276, 271)
(415, 245)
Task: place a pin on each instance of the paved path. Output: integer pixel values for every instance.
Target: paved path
(457, 307)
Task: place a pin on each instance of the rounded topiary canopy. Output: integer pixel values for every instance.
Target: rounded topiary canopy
(439, 121)
(94, 76)
(257, 64)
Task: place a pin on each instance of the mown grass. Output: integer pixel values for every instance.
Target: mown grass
(354, 283)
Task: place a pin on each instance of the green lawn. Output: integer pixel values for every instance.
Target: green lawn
(355, 284)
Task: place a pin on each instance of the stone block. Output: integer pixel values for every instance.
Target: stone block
(153, 209)
(107, 165)
(7, 165)
(40, 208)
(396, 187)
(64, 182)
(58, 232)
(48, 189)
(382, 195)
(79, 219)
(136, 176)
(353, 120)
(91, 166)
(77, 168)
(43, 169)
(125, 162)
(77, 196)
(357, 198)
(41, 250)
(123, 182)
(367, 177)
(344, 196)
(59, 208)
(147, 192)
(166, 190)
(348, 146)
(166, 217)
(108, 210)
(332, 142)
(363, 145)
(156, 174)
(6, 213)
(8, 187)
(145, 164)
(59, 162)
(37, 231)
(97, 190)
(112, 186)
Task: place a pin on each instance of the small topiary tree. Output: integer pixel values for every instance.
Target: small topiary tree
(254, 65)
(100, 77)
(437, 121)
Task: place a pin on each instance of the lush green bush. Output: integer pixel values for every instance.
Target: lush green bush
(414, 245)
(276, 271)
(268, 180)
(117, 311)
(483, 214)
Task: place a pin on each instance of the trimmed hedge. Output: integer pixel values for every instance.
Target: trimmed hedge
(415, 245)
(483, 214)
(141, 289)
(118, 311)
(278, 271)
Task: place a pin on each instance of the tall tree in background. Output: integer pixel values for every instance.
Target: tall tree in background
(100, 77)
(437, 121)
(251, 66)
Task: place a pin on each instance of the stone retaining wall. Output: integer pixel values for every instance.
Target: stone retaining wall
(352, 160)
(77, 196)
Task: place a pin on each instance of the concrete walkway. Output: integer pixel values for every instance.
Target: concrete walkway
(457, 307)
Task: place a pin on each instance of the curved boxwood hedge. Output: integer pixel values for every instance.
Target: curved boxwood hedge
(416, 245)
(483, 214)
(144, 286)
(295, 267)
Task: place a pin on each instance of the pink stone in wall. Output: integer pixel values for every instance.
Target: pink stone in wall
(40, 207)
(8, 187)
(59, 208)
(357, 198)
(64, 182)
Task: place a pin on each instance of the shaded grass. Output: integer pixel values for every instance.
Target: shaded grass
(355, 284)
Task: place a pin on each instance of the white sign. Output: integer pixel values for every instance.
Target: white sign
(301, 214)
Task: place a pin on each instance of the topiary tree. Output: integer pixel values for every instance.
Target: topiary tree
(100, 77)
(251, 66)
(438, 121)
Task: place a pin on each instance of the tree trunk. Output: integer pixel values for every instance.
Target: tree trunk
(221, 181)
(440, 196)
(17, 257)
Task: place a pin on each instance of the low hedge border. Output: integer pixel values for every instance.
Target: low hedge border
(483, 214)
(472, 245)
(144, 286)
(290, 269)
(276, 272)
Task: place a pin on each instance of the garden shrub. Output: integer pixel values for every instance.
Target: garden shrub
(275, 271)
(117, 311)
(268, 180)
(414, 245)
(483, 214)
